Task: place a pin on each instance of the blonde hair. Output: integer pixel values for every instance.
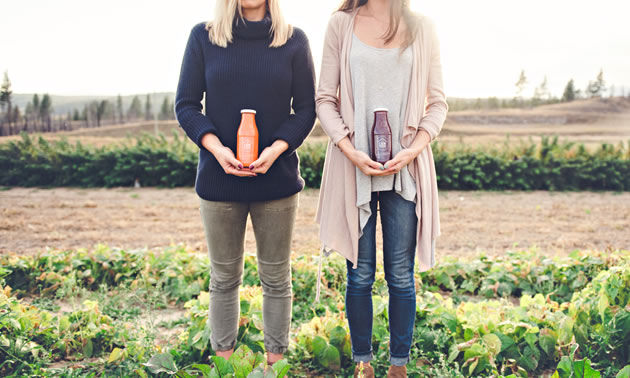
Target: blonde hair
(220, 29)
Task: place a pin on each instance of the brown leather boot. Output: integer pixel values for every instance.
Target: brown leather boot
(363, 371)
(397, 372)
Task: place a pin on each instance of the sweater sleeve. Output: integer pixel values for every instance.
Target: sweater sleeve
(190, 91)
(327, 98)
(436, 106)
(299, 124)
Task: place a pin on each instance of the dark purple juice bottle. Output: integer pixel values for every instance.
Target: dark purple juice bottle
(381, 137)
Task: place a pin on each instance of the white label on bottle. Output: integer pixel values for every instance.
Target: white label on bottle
(382, 147)
(382, 142)
(247, 147)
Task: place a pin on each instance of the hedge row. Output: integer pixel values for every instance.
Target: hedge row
(156, 161)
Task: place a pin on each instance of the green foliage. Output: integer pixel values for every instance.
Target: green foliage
(5, 93)
(570, 92)
(517, 273)
(304, 281)
(569, 367)
(312, 156)
(576, 320)
(600, 315)
(548, 166)
(326, 340)
(155, 161)
(242, 363)
(31, 338)
(176, 271)
(597, 87)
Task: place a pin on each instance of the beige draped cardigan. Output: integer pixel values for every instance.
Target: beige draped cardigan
(337, 213)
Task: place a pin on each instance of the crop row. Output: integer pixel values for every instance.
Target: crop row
(574, 310)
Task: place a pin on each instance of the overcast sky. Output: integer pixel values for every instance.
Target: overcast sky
(81, 47)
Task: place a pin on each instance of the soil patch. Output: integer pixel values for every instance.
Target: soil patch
(62, 218)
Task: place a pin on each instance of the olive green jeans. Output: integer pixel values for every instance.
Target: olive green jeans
(224, 224)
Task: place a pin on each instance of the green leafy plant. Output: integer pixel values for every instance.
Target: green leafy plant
(481, 317)
(156, 161)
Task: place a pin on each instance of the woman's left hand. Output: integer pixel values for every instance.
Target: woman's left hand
(268, 156)
(402, 159)
(406, 156)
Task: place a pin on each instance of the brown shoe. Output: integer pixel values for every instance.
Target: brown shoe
(397, 372)
(363, 371)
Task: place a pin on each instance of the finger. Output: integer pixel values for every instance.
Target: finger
(261, 169)
(393, 162)
(245, 174)
(375, 165)
(257, 163)
(240, 173)
(234, 162)
(372, 172)
(394, 167)
(383, 173)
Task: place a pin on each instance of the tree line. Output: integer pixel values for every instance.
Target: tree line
(541, 95)
(39, 115)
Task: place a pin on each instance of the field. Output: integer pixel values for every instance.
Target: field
(472, 222)
(590, 122)
(114, 281)
(585, 121)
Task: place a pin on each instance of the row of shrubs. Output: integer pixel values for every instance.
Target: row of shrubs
(158, 161)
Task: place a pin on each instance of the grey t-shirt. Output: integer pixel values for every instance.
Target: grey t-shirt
(380, 79)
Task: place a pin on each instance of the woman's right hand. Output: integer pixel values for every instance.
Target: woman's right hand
(361, 160)
(225, 156)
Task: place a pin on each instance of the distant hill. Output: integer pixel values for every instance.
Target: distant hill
(63, 104)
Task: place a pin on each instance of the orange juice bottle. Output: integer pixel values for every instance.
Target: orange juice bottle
(247, 138)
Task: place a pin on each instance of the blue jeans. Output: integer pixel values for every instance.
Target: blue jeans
(399, 222)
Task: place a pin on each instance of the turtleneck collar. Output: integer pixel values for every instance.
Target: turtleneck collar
(242, 28)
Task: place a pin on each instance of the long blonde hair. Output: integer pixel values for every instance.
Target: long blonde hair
(220, 29)
(399, 10)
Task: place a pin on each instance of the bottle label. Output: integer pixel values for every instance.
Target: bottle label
(246, 150)
(247, 146)
(383, 150)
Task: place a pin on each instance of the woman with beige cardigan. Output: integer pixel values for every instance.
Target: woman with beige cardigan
(379, 54)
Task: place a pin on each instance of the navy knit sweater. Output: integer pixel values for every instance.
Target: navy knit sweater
(248, 74)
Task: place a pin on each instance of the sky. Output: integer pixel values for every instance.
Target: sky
(88, 47)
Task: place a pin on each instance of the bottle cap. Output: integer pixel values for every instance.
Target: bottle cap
(381, 110)
(248, 111)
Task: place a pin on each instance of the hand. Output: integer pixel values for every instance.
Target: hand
(406, 156)
(360, 159)
(225, 157)
(230, 164)
(402, 159)
(268, 156)
(368, 166)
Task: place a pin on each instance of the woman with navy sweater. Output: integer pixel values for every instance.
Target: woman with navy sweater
(248, 57)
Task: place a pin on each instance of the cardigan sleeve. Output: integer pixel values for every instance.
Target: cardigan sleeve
(327, 98)
(190, 91)
(299, 124)
(436, 106)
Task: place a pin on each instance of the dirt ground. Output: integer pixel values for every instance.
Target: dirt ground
(33, 219)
